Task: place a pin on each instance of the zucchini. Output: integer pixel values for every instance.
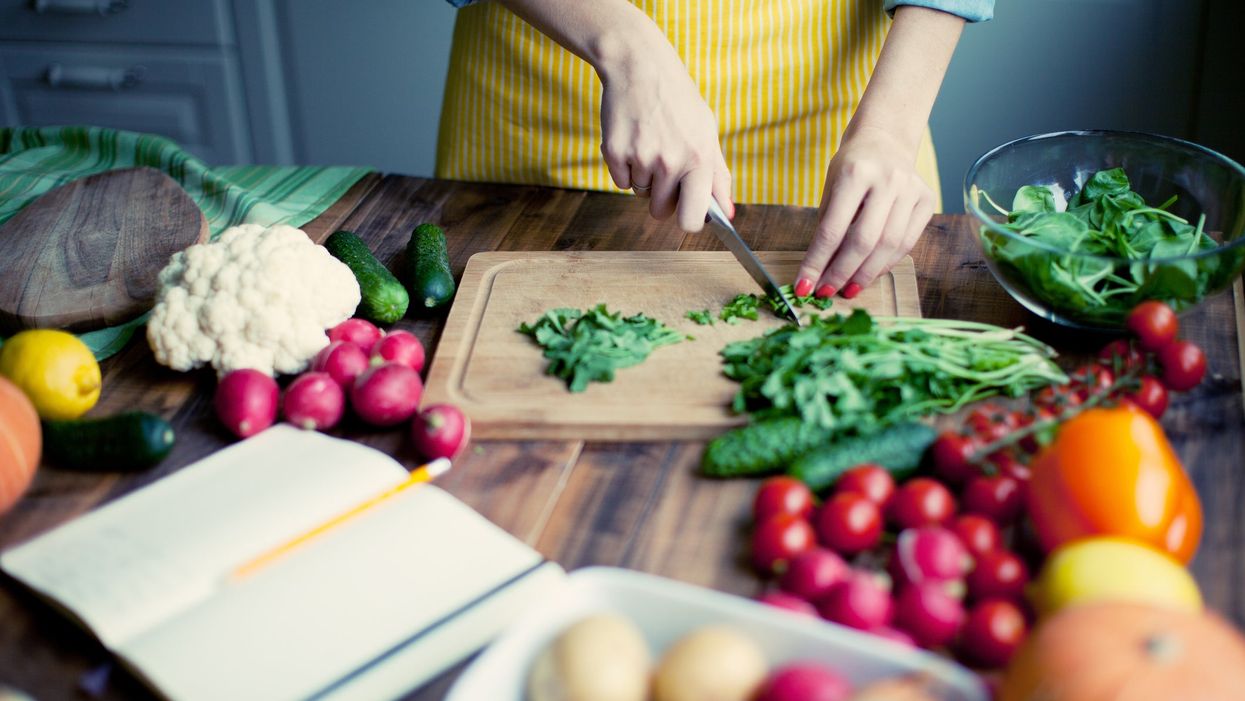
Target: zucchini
(134, 440)
(761, 448)
(384, 299)
(426, 270)
(898, 448)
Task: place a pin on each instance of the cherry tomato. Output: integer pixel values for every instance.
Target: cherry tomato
(778, 539)
(1009, 466)
(1151, 396)
(870, 480)
(849, 523)
(1183, 365)
(998, 575)
(992, 632)
(1040, 414)
(1121, 355)
(990, 422)
(1057, 398)
(997, 497)
(978, 533)
(921, 502)
(782, 495)
(1154, 323)
(951, 453)
(1090, 380)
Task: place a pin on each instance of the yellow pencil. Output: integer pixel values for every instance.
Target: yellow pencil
(419, 475)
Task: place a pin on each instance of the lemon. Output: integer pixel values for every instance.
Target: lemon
(1114, 569)
(55, 369)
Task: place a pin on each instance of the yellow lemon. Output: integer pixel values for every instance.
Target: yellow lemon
(1114, 569)
(55, 369)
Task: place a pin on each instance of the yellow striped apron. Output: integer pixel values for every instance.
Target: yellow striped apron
(782, 76)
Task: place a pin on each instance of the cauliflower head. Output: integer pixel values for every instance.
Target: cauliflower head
(257, 297)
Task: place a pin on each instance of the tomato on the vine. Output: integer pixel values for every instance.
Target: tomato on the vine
(990, 422)
(921, 502)
(1154, 323)
(1184, 365)
(1092, 379)
(1057, 398)
(998, 498)
(1151, 396)
(782, 495)
(952, 454)
(1122, 355)
(1009, 466)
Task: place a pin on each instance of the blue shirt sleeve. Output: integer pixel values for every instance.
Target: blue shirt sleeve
(970, 10)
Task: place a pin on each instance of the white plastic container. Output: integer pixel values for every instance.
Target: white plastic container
(665, 610)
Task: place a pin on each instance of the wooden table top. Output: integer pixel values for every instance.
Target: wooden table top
(635, 505)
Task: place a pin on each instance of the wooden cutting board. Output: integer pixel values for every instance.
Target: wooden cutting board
(496, 375)
(87, 254)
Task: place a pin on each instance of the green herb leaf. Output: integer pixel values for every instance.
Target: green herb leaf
(703, 317)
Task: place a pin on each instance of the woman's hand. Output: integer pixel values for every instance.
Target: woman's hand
(658, 135)
(873, 209)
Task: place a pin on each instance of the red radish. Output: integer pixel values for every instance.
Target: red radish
(788, 602)
(805, 681)
(386, 394)
(778, 539)
(246, 402)
(929, 614)
(812, 573)
(861, 600)
(993, 631)
(399, 347)
(360, 332)
(782, 495)
(996, 497)
(441, 431)
(849, 523)
(343, 361)
(952, 453)
(869, 479)
(921, 501)
(894, 635)
(313, 401)
(931, 553)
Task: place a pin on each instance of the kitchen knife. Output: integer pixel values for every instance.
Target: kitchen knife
(730, 238)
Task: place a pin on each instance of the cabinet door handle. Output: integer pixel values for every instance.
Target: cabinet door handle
(78, 7)
(94, 77)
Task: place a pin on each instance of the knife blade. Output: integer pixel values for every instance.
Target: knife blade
(725, 231)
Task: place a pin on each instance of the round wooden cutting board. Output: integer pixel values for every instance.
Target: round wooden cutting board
(88, 254)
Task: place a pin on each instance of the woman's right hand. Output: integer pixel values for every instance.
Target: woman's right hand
(658, 135)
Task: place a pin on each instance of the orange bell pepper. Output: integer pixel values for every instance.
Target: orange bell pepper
(1113, 472)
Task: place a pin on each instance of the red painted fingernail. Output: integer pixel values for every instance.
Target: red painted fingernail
(803, 286)
(852, 289)
(825, 291)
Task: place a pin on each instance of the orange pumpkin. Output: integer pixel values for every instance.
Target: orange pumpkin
(20, 442)
(1128, 652)
(1112, 472)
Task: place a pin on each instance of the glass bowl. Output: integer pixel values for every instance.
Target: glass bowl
(1091, 277)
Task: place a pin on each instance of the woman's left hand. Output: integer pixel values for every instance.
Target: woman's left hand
(873, 210)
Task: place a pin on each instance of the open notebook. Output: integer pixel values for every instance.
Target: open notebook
(367, 610)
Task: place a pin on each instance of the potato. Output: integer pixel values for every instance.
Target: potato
(600, 658)
(714, 663)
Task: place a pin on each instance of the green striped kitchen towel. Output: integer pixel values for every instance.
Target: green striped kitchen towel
(34, 160)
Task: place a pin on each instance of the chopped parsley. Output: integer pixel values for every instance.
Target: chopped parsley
(703, 317)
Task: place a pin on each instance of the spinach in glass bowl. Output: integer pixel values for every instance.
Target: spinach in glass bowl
(1082, 245)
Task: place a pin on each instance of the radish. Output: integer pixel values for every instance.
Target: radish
(246, 402)
(805, 681)
(387, 394)
(929, 613)
(861, 600)
(894, 635)
(343, 361)
(399, 347)
(812, 573)
(788, 602)
(441, 431)
(313, 401)
(360, 332)
(931, 553)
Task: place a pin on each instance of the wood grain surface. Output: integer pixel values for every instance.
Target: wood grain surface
(633, 504)
(87, 254)
(496, 375)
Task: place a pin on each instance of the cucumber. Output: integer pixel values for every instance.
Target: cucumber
(384, 298)
(761, 448)
(426, 271)
(897, 448)
(134, 440)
